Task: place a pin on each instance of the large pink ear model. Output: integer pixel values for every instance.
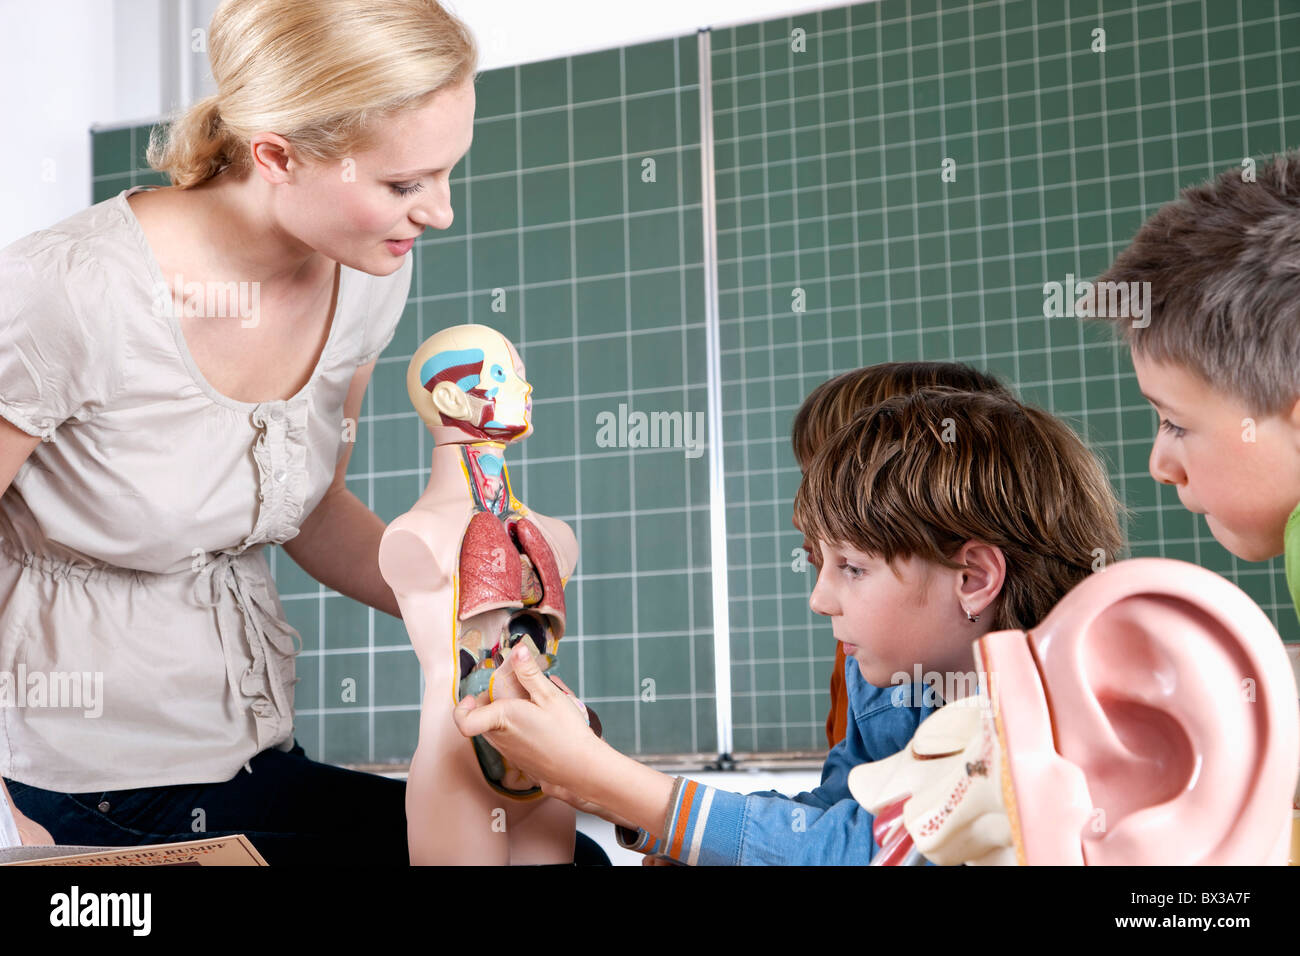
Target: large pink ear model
(1170, 690)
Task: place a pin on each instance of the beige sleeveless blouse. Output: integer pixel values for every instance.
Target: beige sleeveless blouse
(132, 539)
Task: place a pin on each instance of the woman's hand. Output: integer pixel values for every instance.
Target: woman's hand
(543, 734)
(30, 832)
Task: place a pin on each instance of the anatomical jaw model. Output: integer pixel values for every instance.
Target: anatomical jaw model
(475, 572)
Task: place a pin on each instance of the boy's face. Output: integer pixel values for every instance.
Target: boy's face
(1240, 470)
(890, 623)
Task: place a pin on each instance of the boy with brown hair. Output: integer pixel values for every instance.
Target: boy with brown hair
(828, 408)
(1217, 352)
(937, 517)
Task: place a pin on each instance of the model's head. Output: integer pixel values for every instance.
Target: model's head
(470, 381)
(1217, 352)
(354, 112)
(938, 506)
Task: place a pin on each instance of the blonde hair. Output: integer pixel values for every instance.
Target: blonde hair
(921, 474)
(319, 74)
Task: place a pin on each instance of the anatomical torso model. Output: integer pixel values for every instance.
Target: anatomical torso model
(475, 572)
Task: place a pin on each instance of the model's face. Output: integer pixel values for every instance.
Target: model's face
(890, 623)
(505, 382)
(352, 210)
(1241, 471)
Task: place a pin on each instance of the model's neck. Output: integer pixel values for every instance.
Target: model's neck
(485, 471)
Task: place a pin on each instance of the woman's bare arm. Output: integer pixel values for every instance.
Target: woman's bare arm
(338, 543)
(16, 446)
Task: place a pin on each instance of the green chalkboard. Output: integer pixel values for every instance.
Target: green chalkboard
(578, 234)
(829, 145)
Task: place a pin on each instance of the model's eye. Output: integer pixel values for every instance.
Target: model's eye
(1167, 425)
(406, 189)
(853, 572)
(498, 373)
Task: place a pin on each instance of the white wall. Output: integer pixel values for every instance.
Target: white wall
(53, 64)
(522, 31)
(66, 65)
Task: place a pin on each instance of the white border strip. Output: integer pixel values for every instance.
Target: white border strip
(713, 358)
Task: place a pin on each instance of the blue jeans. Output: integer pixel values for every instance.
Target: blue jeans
(296, 812)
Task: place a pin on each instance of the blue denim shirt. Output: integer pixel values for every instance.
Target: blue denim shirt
(826, 826)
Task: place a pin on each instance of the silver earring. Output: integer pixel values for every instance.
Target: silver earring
(971, 617)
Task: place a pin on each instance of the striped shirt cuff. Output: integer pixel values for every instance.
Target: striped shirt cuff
(703, 826)
(642, 841)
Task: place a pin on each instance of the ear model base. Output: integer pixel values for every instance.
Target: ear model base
(1046, 796)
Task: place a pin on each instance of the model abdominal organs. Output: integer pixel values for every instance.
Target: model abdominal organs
(476, 573)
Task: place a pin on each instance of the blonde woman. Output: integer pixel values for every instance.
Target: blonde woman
(181, 371)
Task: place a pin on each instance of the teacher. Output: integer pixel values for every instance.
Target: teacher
(181, 374)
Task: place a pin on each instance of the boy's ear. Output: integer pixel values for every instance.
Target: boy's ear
(981, 582)
(1294, 418)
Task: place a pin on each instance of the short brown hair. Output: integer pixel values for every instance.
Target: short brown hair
(1223, 263)
(921, 474)
(832, 403)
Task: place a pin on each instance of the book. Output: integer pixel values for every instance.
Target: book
(214, 851)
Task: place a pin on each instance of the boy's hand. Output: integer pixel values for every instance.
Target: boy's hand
(544, 735)
(586, 806)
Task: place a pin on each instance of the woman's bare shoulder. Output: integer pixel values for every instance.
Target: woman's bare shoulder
(167, 217)
(157, 206)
